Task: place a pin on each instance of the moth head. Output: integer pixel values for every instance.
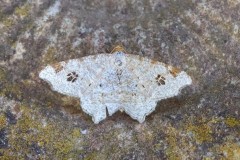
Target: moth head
(118, 48)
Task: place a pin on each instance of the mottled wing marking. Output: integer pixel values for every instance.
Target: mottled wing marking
(160, 80)
(72, 77)
(174, 71)
(58, 66)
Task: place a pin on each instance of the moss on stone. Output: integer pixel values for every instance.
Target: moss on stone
(178, 145)
(229, 150)
(171, 150)
(3, 121)
(76, 133)
(92, 156)
(8, 22)
(23, 11)
(56, 140)
(12, 90)
(232, 122)
(202, 133)
(2, 75)
(49, 56)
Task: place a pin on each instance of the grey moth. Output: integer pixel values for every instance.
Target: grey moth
(116, 81)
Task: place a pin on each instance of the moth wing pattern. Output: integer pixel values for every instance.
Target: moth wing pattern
(118, 81)
(153, 82)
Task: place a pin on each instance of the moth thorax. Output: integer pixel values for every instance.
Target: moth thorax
(119, 59)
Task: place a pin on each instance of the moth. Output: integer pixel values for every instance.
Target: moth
(108, 82)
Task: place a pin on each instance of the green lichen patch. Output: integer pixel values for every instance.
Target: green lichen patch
(232, 122)
(178, 145)
(228, 150)
(23, 11)
(8, 22)
(12, 90)
(202, 133)
(171, 151)
(3, 121)
(34, 133)
(2, 75)
(50, 56)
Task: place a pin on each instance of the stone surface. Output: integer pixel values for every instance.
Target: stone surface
(200, 37)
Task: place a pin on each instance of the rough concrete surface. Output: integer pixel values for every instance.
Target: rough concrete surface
(198, 36)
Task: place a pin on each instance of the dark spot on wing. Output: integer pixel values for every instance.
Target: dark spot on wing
(160, 80)
(72, 77)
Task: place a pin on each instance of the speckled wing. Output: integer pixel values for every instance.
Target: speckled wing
(93, 79)
(74, 77)
(115, 82)
(153, 81)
